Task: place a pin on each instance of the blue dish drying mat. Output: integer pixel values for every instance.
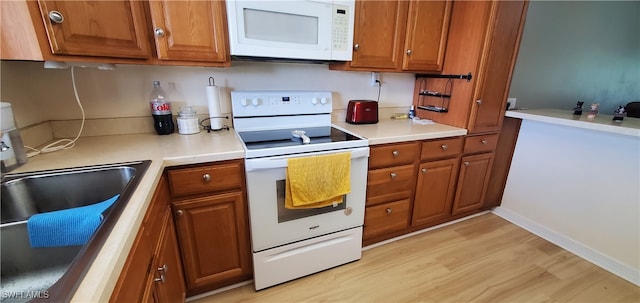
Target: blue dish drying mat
(67, 227)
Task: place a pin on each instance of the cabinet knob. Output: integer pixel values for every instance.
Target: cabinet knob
(206, 178)
(180, 212)
(409, 52)
(356, 47)
(164, 268)
(479, 101)
(393, 175)
(424, 170)
(56, 17)
(395, 153)
(158, 32)
(444, 146)
(389, 211)
(483, 141)
(162, 279)
(466, 163)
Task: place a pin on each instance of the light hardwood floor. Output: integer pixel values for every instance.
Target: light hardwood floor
(483, 259)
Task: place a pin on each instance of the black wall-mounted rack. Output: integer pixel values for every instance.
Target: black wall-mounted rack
(467, 76)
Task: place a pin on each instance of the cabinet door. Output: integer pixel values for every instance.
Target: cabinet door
(190, 30)
(96, 28)
(379, 33)
(133, 282)
(434, 191)
(426, 39)
(500, 55)
(214, 241)
(169, 281)
(472, 182)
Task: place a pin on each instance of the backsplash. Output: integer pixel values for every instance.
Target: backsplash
(40, 95)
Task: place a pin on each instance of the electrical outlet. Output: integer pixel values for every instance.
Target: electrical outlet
(375, 79)
(511, 102)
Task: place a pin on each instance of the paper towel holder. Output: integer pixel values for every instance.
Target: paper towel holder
(209, 127)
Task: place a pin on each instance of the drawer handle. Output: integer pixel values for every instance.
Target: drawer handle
(393, 175)
(180, 212)
(356, 47)
(466, 163)
(162, 279)
(479, 101)
(206, 178)
(388, 211)
(395, 153)
(424, 170)
(444, 146)
(483, 141)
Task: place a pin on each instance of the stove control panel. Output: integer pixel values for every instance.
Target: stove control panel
(276, 103)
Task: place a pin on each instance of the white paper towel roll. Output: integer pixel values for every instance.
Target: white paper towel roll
(213, 99)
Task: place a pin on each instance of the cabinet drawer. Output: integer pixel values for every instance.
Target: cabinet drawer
(390, 184)
(482, 143)
(206, 178)
(386, 218)
(443, 148)
(391, 155)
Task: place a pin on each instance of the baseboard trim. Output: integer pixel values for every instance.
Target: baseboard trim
(607, 263)
(217, 291)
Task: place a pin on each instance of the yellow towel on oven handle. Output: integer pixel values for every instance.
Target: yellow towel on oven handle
(317, 181)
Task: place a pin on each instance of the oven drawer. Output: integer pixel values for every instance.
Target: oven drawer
(386, 218)
(443, 148)
(206, 178)
(391, 155)
(390, 184)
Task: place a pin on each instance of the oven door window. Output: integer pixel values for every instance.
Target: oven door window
(285, 214)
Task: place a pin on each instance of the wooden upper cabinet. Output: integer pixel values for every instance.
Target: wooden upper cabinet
(96, 28)
(190, 30)
(426, 39)
(399, 35)
(496, 70)
(379, 34)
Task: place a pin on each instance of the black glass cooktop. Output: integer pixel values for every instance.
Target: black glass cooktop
(283, 137)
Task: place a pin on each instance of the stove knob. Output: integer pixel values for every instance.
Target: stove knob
(255, 101)
(323, 100)
(244, 102)
(314, 101)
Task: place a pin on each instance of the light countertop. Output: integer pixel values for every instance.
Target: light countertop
(629, 126)
(174, 150)
(391, 131)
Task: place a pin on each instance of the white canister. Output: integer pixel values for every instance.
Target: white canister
(187, 121)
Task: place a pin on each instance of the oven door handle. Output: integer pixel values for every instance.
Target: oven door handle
(281, 161)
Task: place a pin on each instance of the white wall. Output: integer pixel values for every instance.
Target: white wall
(40, 95)
(579, 189)
(579, 50)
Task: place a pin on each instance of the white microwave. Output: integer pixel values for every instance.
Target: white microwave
(291, 29)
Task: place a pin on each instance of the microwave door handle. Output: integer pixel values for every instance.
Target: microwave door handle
(281, 162)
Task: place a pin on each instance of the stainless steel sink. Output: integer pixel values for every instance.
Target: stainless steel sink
(55, 272)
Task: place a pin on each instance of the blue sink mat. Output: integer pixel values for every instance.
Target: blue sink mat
(67, 227)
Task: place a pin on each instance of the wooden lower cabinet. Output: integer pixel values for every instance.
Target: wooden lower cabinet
(450, 180)
(153, 271)
(168, 278)
(214, 240)
(435, 190)
(473, 180)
